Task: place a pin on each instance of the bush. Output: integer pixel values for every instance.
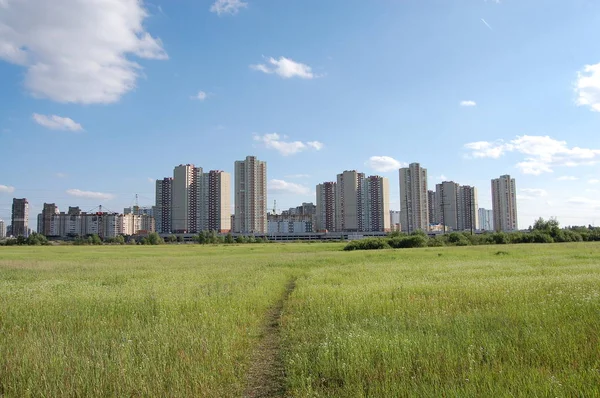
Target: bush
(367, 244)
(416, 240)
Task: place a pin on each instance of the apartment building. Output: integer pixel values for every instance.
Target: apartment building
(468, 217)
(2, 229)
(377, 205)
(20, 217)
(486, 219)
(504, 204)
(214, 199)
(45, 218)
(184, 210)
(163, 205)
(250, 196)
(350, 195)
(326, 206)
(414, 204)
(446, 201)
(431, 207)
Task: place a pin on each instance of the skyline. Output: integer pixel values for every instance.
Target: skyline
(471, 91)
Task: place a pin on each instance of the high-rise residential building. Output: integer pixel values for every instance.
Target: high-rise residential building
(431, 207)
(504, 204)
(2, 229)
(164, 205)
(413, 198)
(214, 198)
(395, 220)
(326, 210)
(468, 217)
(185, 198)
(250, 196)
(377, 205)
(486, 219)
(45, 219)
(350, 197)
(446, 200)
(20, 217)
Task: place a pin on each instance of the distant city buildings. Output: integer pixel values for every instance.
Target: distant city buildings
(250, 196)
(45, 218)
(455, 207)
(414, 206)
(2, 229)
(300, 219)
(486, 219)
(20, 217)
(504, 204)
(354, 203)
(395, 220)
(193, 201)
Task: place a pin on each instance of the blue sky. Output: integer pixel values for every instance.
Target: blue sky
(98, 99)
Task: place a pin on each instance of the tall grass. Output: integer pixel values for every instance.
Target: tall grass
(448, 322)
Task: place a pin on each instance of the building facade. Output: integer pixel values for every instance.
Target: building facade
(2, 229)
(431, 207)
(20, 217)
(45, 219)
(250, 196)
(486, 219)
(446, 209)
(504, 204)
(350, 195)
(414, 204)
(185, 194)
(468, 216)
(163, 205)
(377, 205)
(326, 207)
(214, 199)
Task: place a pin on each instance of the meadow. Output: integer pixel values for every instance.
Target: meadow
(189, 320)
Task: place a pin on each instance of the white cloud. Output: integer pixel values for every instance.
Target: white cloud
(578, 200)
(89, 194)
(151, 180)
(77, 51)
(486, 24)
(384, 164)
(542, 153)
(468, 103)
(273, 141)
(286, 68)
(535, 192)
(6, 189)
(201, 96)
(288, 187)
(54, 122)
(594, 181)
(230, 7)
(297, 176)
(587, 87)
(567, 178)
(61, 175)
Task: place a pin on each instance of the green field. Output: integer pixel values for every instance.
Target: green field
(191, 320)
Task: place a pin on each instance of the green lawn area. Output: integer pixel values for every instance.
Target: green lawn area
(184, 320)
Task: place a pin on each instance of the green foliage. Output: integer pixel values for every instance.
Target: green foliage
(229, 238)
(367, 244)
(153, 239)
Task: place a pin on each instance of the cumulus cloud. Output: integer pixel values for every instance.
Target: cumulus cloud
(286, 68)
(468, 103)
(535, 192)
(201, 96)
(6, 189)
(384, 164)
(77, 51)
(285, 148)
(54, 122)
(567, 178)
(287, 187)
(587, 87)
(230, 7)
(542, 153)
(61, 175)
(89, 194)
(593, 181)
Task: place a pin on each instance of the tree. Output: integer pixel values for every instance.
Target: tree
(229, 238)
(154, 239)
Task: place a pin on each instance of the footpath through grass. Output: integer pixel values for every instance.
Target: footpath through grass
(187, 320)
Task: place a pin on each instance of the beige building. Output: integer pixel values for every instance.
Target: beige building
(2, 229)
(250, 196)
(214, 198)
(326, 207)
(504, 204)
(349, 196)
(413, 198)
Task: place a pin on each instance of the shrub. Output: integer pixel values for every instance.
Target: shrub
(367, 244)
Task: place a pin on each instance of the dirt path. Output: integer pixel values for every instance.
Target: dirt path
(266, 376)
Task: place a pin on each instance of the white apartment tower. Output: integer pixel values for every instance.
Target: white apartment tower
(486, 219)
(326, 210)
(446, 200)
(350, 195)
(413, 198)
(214, 197)
(2, 229)
(250, 196)
(164, 205)
(504, 204)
